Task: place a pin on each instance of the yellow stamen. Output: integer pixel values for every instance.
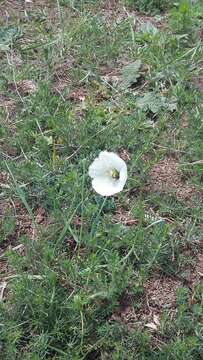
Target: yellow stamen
(115, 174)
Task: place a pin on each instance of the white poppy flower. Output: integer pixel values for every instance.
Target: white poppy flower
(108, 173)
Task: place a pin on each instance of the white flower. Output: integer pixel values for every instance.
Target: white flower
(108, 173)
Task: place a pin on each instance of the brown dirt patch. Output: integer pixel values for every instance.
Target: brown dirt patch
(71, 246)
(124, 154)
(77, 221)
(23, 226)
(24, 87)
(197, 271)
(59, 85)
(193, 274)
(200, 33)
(14, 8)
(110, 76)
(184, 122)
(112, 13)
(4, 268)
(41, 216)
(165, 177)
(60, 78)
(78, 94)
(8, 105)
(9, 209)
(159, 295)
(125, 313)
(198, 83)
(61, 82)
(4, 178)
(23, 223)
(20, 10)
(124, 217)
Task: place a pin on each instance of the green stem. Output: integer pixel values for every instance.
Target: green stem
(95, 222)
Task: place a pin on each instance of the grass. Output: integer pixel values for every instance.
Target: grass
(75, 269)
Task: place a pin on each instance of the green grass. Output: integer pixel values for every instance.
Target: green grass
(76, 271)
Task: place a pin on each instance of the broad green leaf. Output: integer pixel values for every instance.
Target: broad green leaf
(155, 102)
(130, 74)
(7, 36)
(148, 28)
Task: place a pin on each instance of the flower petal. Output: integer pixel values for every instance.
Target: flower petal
(123, 174)
(101, 173)
(98, 168)
(112, 159)
(106, 187)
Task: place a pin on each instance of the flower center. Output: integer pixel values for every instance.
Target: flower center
(115, 174)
